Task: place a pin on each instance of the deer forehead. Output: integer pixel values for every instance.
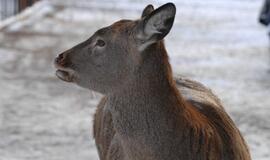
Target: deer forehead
(122, 26)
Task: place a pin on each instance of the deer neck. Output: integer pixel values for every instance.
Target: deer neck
(151, 85)
(150, 98)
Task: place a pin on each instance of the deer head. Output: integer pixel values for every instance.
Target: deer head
(113, 55)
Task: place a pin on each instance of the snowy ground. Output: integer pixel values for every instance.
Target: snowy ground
(217, 42)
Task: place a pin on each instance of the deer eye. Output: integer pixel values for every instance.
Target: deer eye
(100, 43)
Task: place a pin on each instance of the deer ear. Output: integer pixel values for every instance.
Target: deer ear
(155, 26)
(147, 10)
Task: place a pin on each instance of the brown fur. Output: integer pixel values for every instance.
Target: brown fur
(205, 129)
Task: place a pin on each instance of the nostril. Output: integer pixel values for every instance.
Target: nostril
(57, 60)
(61, 59)
(60, 56)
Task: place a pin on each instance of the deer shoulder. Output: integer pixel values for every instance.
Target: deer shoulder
(202, 99)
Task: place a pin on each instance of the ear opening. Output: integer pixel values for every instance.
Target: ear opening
(155, 26)
(147, 10)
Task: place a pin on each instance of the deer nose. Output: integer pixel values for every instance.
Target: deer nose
(61, 59)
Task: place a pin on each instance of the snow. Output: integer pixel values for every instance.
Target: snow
(218, 43)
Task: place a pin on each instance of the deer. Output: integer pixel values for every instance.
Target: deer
(146, 113)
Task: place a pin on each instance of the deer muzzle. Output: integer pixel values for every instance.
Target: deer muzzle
(63, 72)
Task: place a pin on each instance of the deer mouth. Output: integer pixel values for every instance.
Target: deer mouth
(64, 74)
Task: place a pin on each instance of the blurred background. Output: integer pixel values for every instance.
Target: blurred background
(217, 42)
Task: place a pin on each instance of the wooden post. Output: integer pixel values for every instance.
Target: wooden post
(26, 3)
